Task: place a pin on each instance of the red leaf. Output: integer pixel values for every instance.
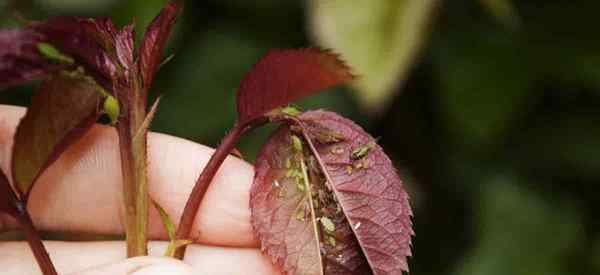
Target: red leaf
(20, 60)
(284, 214)
(372, 227)
(94, 43)
(154, 41)
(283, 76)
(370, 192)
(123, 40)
(6, 198)
(61, 111)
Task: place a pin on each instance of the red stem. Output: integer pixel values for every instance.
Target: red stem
(202, 183)
(34, 241)
(205, 178)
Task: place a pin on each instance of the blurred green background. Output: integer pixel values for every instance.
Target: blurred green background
(489, 108)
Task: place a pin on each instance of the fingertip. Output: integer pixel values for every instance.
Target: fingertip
(146, 265)
(165, 267)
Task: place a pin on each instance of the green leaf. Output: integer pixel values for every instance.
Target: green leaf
(62, 110)
(481, 90)
(521, 232)
(503, 10)
(174, 244)
(378, 38)
(166, 220)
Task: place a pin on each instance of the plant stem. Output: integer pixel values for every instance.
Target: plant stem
(204, 180)
(133, 168)
(34, 241)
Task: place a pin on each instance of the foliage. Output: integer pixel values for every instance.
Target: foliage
(480, 101)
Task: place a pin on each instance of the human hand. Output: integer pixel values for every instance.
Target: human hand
(81, 193)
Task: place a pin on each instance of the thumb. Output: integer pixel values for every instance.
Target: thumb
(147, 265)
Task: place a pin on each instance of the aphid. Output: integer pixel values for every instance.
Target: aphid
(362, 151)
(276, 184)
(290, 111)
(53, 54)
(349, 169)
(337, 150)
(296, 143)
(331, 240)
(327, 136)
(300, 186)
(112, 109)
(328, 225)
(357, 225)
(301, 210)
(288, 163)
(362, 164)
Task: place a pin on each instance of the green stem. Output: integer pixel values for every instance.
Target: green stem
(133, 152)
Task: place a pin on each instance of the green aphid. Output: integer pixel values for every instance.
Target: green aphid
(112, 109)
(296, 143)
(293, 174)
(290, 111)
(300, 211)
(288, 163)
(282, 193)
(328, 225)
(362, 151)
(327, 136)
(331, 240)
(300, 185)
(53, 54)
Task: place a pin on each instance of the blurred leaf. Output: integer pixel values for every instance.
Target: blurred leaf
(503, 10)
(140, 12)
(76, 6)
(520, 233)
(198, 100)
(283, 76)
(485, 85)
(62, 110)
(566, 143)
(379, 38)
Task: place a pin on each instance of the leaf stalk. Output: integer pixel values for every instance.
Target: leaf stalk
(225, 148)
(34, 240)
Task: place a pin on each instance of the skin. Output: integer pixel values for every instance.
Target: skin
(81, 193)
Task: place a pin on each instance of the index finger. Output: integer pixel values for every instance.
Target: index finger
(82, 191)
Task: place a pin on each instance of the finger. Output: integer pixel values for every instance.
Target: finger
(73, 257)
(82, 191)
(140, 266)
